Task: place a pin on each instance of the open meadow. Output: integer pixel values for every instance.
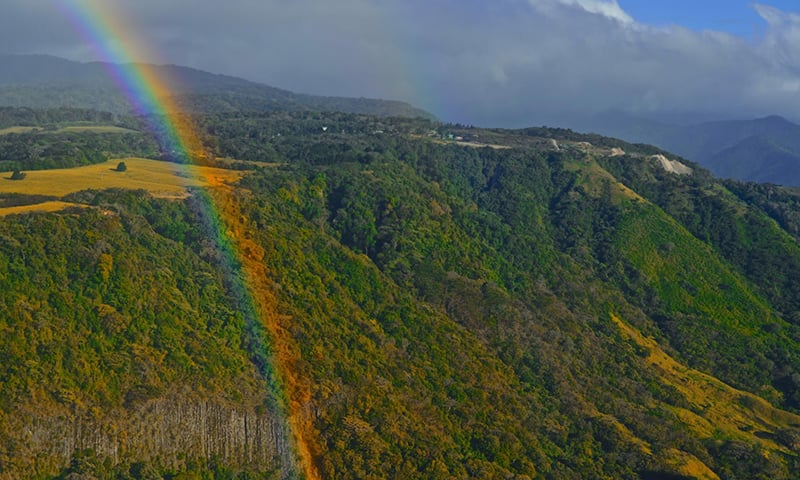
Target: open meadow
(162, 179)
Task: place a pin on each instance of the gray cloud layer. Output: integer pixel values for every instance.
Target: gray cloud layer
(501, 62)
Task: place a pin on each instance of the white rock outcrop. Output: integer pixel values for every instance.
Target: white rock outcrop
(672, 166)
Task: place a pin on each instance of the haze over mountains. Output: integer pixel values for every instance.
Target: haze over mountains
(44, 81)
(759, 150)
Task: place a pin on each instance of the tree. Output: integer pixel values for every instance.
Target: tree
(18, 175)
(121, 167)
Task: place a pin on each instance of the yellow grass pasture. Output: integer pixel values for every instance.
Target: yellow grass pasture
(162, 179)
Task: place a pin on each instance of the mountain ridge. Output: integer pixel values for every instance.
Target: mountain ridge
(44, 81)
(725, 147)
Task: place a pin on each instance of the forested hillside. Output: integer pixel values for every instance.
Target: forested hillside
(397, 298)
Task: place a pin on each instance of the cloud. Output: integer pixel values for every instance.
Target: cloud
(781, 42)
(606, 8)
(504, 62)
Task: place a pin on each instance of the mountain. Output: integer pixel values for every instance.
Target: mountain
(396, 298)
(760, 150)
(758, 159)
(42, 81)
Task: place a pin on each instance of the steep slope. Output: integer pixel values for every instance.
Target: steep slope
(544, 306)
(122, 343)
(522, 253)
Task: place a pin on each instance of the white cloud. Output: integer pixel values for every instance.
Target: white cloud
(606, 8)
(781, 43)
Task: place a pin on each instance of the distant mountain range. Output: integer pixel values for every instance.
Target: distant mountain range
(763, 150)
(42, 81)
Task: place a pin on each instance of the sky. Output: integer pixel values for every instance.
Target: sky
(484, 62)
(731, 16)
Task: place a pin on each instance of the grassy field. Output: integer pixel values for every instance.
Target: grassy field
(70, 129)
(162, 179)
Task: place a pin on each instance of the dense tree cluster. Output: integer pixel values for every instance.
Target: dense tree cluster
(51, 118)
(37, 151)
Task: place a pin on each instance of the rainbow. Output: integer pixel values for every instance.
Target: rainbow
(115, 43)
